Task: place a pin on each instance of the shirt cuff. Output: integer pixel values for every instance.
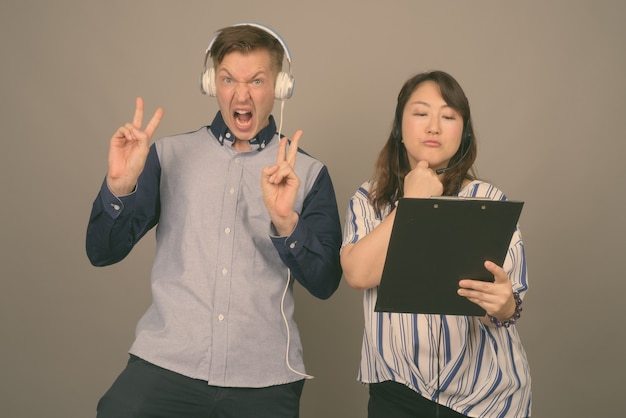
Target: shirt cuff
(112, 204)
(291, 243)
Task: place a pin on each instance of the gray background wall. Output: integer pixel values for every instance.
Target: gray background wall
(546, 85)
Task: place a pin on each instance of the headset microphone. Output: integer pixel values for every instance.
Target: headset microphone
(465, 142)
(443, 170)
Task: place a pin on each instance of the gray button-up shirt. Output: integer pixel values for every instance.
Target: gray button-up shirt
(222, 302)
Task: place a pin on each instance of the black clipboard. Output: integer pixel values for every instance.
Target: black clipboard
(434, 243)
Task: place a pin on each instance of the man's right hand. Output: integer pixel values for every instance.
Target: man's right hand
(128, 151)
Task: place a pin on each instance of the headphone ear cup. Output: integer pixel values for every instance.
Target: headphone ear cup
(207, 82)
(282, 91)
(284, 86)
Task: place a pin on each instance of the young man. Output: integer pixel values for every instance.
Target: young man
(238, 220)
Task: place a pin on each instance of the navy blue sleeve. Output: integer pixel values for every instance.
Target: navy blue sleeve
(116, 224)
(311, 252)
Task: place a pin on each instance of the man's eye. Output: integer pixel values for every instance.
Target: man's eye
(256, 82)
(228, 80)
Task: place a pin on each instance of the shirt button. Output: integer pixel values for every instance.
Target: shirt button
(220, 317)
(227, 134)
(231, 191)
(293, 245)
(224, 271)
(227, 230)
(114, 206)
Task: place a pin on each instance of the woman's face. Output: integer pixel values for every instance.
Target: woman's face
(431, 130)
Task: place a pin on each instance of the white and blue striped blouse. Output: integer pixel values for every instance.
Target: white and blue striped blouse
(458, 361)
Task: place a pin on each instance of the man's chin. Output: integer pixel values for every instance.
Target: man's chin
(243, 133)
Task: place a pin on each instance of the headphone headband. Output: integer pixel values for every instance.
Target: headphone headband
(259, 26)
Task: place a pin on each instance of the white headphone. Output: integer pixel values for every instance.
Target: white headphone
(284, 81)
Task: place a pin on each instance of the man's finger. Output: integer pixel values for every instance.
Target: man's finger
(138, 118)
(293, 148)
(280, 157)
(154, 122)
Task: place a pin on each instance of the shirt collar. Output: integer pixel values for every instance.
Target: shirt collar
(222, 133)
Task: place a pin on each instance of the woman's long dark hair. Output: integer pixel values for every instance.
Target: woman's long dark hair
(393, 164)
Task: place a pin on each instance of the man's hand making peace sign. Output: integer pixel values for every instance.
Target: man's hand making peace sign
(128, 151)
(279, 184)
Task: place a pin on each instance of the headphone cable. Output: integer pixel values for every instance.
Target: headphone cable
(282, 311)
(438, 365)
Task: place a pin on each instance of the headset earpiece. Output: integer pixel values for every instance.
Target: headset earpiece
(284, 80)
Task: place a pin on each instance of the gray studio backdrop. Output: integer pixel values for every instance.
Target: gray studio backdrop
(546, 85)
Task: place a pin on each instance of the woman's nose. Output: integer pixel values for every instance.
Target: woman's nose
(433, 126)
